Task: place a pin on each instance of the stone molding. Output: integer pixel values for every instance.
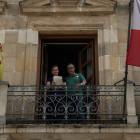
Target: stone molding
(72, 129)
(46, 28)
(3, 6)
(90, 10)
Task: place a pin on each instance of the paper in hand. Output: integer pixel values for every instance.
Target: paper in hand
(58, 80)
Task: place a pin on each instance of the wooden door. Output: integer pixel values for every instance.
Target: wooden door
(44, 65)
(42, 79)
(86, 63)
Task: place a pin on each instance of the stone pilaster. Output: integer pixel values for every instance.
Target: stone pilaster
(3, 101)
(131, 108)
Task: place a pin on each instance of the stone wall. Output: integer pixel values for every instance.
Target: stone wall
(19, 34)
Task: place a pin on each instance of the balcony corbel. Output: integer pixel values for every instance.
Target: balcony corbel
(3, 6)
(80, 3)
(54, 3)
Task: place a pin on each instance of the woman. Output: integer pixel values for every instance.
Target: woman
(56, 104)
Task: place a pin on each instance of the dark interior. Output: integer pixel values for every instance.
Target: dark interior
(64, 51)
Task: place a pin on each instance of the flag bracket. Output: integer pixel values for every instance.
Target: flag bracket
(124, 80)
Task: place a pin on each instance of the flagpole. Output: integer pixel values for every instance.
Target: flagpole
(126, 66)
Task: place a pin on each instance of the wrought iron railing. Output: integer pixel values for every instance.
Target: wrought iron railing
(137, 100)
(65, 105)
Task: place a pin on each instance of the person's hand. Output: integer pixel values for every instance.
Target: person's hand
(78, 85)
(64, 84)
(53, 83)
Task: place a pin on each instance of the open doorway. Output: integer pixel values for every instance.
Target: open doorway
(81, 51)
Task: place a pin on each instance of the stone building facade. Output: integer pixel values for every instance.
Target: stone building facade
(23, 27)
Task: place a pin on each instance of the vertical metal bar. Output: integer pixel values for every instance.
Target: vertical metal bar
(126, 66)
(66, 104)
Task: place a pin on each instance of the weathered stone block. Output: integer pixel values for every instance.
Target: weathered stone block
(113, 36)
(20, 50)
(11, 22)
(2, 36)
(131, 68)
(3, 22)
(117, 76)
(22, 23)
(19, 78)
(122, 35)
(100, 36)
(136, 74)
(106, 35)
(20, 63)
(135, 68)
(28, 63)
(114, 63)
(108, 77)
(106, 49)
(30, 78)
(130, 75)
(113, 22)
(22, 36)
(10, 50)
(10, 77)
(27, 78)
(29, 36)
(107, 61)
(35, 37)
(31, 50)
(123, 22)
(101, 78)
(34, 64)
(114, 49)
(33, 79)
(32, 36)
(11, 37)
(13, 9)
(10, 64)
(122, 49)
(122, 9)
(100, 46)
(101, 63)
(122, 63)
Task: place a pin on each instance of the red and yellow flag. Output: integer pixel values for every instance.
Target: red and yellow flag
(1, 62)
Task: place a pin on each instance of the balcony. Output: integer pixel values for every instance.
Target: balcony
(64, 105)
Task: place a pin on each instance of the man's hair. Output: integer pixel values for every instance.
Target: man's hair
(53, 67)
(71, 64)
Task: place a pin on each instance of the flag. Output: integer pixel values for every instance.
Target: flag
(133, 56)
(1, 62)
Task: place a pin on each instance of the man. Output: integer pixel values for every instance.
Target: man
(78, 80)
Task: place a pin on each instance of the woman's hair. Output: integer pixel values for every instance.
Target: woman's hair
(53, 67)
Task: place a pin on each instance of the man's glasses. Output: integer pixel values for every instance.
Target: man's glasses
(70, 68)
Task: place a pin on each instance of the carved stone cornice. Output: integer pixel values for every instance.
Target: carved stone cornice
(94, 7)
(3, 5)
